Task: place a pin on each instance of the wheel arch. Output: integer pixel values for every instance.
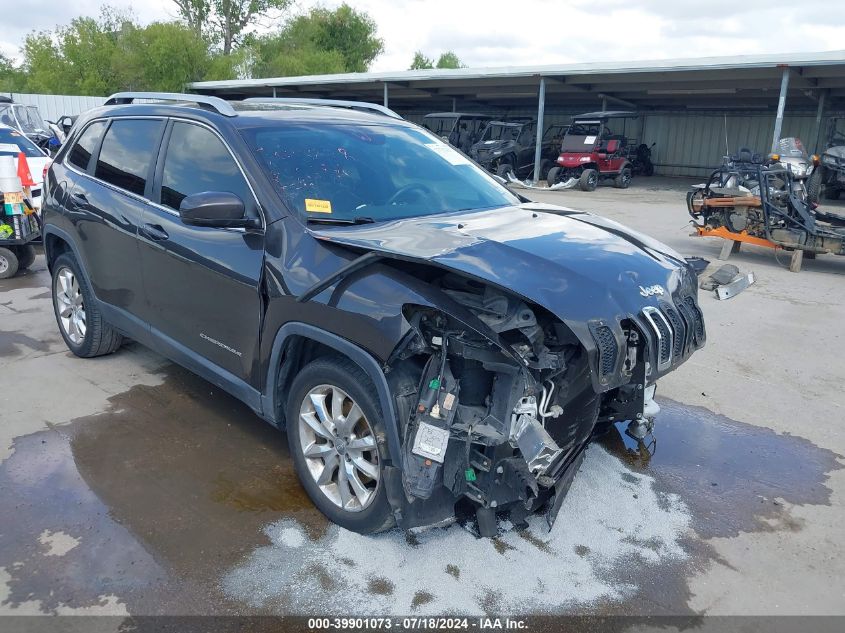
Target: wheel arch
(298, 343)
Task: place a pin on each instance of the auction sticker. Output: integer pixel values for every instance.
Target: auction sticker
(318, 206)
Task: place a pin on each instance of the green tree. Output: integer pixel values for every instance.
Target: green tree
(164, 56)
(319, 42)
(449, 60)
(225, 21)
(421, 62)
(11, 78)
(446, 60)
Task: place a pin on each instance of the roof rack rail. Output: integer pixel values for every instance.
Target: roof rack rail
(213, 103)
(333, 103)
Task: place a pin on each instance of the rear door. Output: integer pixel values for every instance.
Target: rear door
(201, 283)
(115, 165)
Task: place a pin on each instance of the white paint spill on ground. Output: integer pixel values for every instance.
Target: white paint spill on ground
(601, 527)
(57, 543)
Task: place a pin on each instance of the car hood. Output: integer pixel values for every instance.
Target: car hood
(577, 265)
(492, 145)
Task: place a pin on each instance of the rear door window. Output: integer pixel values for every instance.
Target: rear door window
(197, 161)
(127, 153)
(81, 152)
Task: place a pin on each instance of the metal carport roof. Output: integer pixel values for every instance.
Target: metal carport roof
(738, 82)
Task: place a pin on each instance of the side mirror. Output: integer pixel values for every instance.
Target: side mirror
(215, 209)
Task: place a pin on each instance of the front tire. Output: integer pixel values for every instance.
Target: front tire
(553, 176)
(503, 169)
(589, 180)
(333, 425)
(81, 324)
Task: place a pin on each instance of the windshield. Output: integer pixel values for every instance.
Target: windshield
(30, 119)
(13, 142)
(441, 126)
(501, 132)
(581, 137)
(792, 147)
(351, 172)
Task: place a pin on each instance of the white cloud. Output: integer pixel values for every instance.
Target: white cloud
(533, 32)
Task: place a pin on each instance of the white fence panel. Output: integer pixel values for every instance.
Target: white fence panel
(54, 106)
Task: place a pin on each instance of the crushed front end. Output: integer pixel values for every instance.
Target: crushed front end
(499, 400)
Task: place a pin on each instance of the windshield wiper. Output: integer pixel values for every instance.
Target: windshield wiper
(360, 219)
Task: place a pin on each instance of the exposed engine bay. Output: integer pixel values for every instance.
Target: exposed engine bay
(502, 425)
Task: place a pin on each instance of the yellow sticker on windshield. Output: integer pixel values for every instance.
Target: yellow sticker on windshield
(318, 206)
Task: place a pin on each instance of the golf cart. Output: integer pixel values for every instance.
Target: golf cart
(457, 128)
(591, 152)
(509, 147)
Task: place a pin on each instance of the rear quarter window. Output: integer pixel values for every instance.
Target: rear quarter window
(80, 153)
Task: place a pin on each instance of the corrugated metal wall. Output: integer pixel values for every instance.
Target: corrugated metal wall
(54, 106)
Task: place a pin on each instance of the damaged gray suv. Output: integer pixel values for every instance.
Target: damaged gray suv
(427, 338)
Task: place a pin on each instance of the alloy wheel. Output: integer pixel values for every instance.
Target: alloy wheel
(70, 305)
(339, 447)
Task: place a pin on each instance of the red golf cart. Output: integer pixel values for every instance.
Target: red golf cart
(590, 151)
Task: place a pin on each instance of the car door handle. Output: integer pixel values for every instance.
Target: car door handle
(154, 232)
(79, 199)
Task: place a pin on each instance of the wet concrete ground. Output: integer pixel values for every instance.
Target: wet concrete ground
(128, 485)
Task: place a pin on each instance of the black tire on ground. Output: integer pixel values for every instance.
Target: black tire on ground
(831, 193)
(553, 176)
(623, 180)
(503, 169)
(100, 338)
(340, 372)
(8, 263)
(648, 170)
(589, 180)
(26, 256)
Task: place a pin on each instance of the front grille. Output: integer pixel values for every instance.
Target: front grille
(679, 329)
(698, 320)
(606, 344)
(661, 328)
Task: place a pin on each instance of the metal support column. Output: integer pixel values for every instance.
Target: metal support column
(454, 104)
(274, 92)
(385, 96)
(604, 103)
(784, 86)
(541, 110)
(817, 148)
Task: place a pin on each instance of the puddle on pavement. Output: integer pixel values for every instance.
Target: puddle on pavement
(735, 477)
(172, 482)
(183, 501)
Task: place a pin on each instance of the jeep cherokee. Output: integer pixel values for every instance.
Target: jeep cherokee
(424, 335)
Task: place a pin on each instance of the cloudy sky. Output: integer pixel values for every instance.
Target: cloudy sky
(528, 32)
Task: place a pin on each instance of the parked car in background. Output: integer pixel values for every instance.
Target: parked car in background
(12, 143)
(425, 336)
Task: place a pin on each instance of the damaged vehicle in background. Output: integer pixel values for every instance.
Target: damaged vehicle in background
(429, 340)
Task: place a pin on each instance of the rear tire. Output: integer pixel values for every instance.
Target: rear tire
(552, 176)
(623, 180)
(81, 324)
(8, 263)
(26, 256)
(338, 495)
(589, 180)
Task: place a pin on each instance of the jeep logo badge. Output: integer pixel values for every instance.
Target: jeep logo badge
(650, 291)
